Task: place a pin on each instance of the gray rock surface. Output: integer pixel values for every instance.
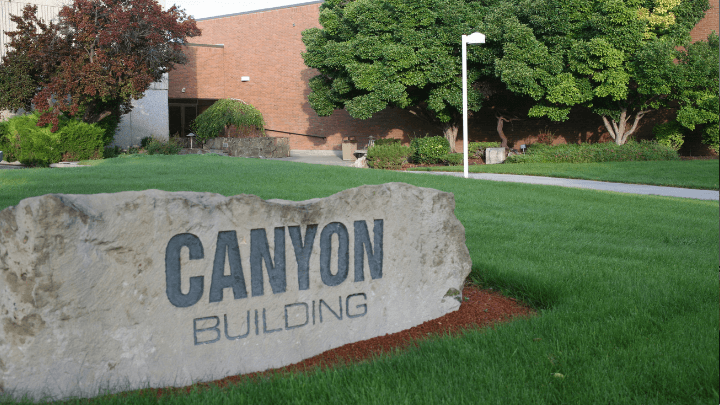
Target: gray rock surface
(151, 288)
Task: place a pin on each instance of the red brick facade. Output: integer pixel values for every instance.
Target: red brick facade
(266, 46)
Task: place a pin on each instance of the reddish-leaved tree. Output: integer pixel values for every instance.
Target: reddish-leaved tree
(99, 56)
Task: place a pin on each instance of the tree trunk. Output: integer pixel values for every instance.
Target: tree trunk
(450, 130)
(500, 123)
(617, 129)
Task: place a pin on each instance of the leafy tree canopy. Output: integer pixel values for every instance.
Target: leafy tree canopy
(614, 56)
(697, 81)
(94, 61)
(375, 54)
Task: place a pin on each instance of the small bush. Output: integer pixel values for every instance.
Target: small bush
(710, 137)
(30, 144)
(670, 134)
(144, 142)
(596, 152)
(157, 147)
(453, 159)
(546, 137)
(388, 141)
(477, 149)
(389, 156)
(81, 141)
(111, 152)
(430, 149)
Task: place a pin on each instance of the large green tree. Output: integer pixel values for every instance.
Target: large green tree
(99, 56)
(613, 56)
(375, 54)
(697, 83)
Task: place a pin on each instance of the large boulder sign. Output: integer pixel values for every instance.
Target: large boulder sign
(113, 292)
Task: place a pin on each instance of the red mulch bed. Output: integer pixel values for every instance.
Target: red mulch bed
(479, 309)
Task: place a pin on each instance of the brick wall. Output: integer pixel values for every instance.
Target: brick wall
(708, 24)
(266, 46)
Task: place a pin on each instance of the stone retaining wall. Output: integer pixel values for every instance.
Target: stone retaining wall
(265, 147)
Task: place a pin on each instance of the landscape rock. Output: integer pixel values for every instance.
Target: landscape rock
(150, 288)
(361, 162)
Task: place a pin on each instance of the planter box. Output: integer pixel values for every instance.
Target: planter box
(348, 150)
(263, 147)
(494, 155)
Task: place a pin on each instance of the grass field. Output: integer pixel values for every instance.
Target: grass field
(625, 286)
(700, 174)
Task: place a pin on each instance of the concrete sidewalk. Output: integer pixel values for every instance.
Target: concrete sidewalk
(336, 160)
(592, 185)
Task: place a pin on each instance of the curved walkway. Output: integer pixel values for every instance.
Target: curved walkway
(592, 184)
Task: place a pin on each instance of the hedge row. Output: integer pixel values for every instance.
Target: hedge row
(595, 152)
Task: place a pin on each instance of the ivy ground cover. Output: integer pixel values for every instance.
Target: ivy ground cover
(625, 287)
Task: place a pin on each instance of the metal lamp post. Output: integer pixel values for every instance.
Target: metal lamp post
(474, 38)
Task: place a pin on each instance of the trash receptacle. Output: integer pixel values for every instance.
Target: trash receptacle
(349, 146)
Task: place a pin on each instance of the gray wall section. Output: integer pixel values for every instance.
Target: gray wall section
(149, 117)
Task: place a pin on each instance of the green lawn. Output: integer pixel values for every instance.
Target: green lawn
(625, 286)
(702, 174)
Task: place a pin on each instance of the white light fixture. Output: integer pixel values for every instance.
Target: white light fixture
(474, 38)
(183, 89)
(190, 135)
(245, 78)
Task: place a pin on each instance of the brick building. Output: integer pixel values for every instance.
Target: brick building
(256, 57)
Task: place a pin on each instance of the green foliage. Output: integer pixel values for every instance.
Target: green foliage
(595, 152)
(390, 155)
(81, 141)
(698, 88)
(145, 141)
(375, 54)
(429, 149)
(477, 149)
(224, 113)
(453, 159)
(670, 134)
(30, 144)
(111, 152)
(606, 55)
(388, 141)
(22, 140)
(157, 147)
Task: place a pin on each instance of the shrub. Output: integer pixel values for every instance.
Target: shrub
(157, 147)
(670, 134)
(22, 140)
(453, 159)
(81, 141)
(111, 152)
(597, 152)
(388, 156)
(388, 141)
(145, 141)
(430, 149)
(30, 144)
(710, 137)
(477, 149)
(546, 137)
(225, 113)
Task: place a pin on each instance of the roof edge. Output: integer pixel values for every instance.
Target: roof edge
(261, 10)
